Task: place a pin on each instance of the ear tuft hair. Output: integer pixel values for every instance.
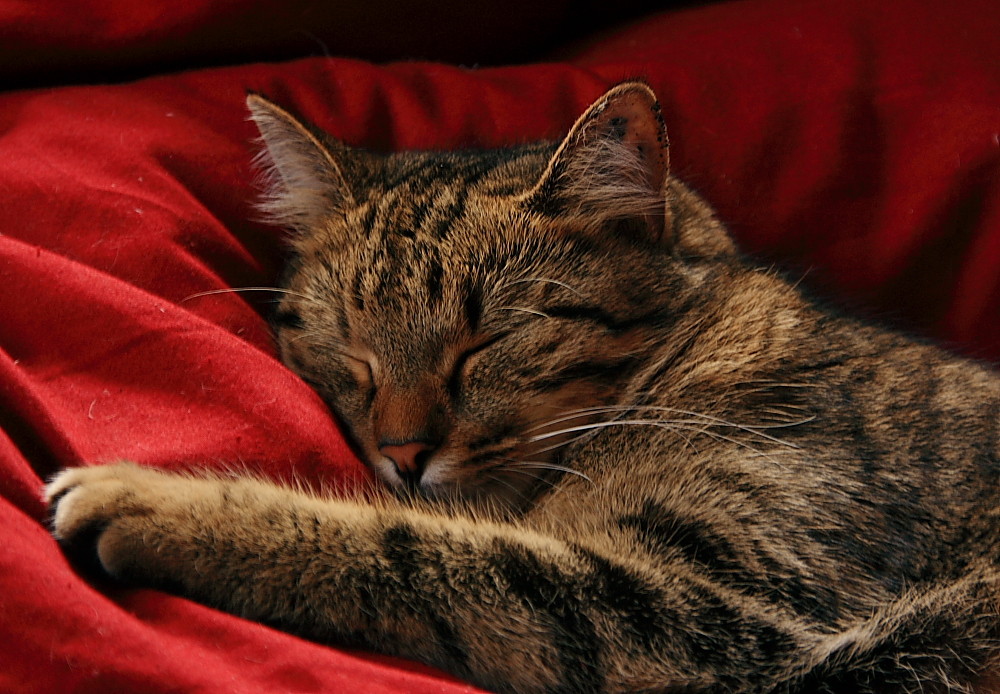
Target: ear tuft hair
(606, 175)
(302, 182)
(613, 166)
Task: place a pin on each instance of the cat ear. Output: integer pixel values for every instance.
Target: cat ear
(304, 183)
(613, 167)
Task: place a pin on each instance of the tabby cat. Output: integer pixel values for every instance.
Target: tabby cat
(625, 459)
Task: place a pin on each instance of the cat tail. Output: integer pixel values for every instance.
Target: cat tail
(937, 639)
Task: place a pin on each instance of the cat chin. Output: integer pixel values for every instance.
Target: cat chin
(434, 483)
(502, 492)
(440, 485)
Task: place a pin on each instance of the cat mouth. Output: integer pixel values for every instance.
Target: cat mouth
(442, 481)
(433, 481)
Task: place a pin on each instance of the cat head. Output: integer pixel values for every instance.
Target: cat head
(467, 314)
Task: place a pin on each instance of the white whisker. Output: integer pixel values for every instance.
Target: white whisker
(234, 290)
(601, 425)
(675, 426)
(496, 478)
(517, 471)
(546, 280)
(550, 466)
(524, 310)
(757, 430)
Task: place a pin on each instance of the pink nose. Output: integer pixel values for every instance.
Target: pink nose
(407, 456)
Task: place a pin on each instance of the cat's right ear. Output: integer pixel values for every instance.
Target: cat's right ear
(611, 172)
(304, 183)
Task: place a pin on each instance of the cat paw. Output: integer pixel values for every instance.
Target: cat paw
(106, 513)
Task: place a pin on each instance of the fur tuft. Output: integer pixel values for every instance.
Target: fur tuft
(608, 178)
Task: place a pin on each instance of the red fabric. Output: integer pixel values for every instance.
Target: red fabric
(56, 39)
(853, 139)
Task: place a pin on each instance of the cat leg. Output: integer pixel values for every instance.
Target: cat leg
(510, 609)
(940, 637)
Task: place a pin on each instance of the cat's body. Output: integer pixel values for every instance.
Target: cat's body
(628, 459)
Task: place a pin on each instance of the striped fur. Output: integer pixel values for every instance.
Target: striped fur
(626, 458)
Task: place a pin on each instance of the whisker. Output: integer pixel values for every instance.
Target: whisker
(670, 425)
(546, 280)
(234, 290)
(524, 310)
(304, 334)
(720, 437)
(757, 430)
(547, 481)
(750, 429)
(697, 423)
(600, 425)
(538, 465)
(567, 442)
(571, 415)
(775, 384)
(518, 492)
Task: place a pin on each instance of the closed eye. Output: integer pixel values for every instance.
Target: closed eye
(464, 361)
(361, 369)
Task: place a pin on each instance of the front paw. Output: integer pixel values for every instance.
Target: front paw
(109, 513)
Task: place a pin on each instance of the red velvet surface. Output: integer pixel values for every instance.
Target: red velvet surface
(854, 142)
(52, 40)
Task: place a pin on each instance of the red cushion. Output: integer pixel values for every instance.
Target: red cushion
(855, 140)
(52, 40)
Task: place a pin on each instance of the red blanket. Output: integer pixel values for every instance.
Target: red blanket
(855, 143)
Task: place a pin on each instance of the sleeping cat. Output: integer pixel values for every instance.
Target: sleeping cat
(625, 459)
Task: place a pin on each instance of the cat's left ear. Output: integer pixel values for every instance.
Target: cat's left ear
(305, 179)
(612, 169)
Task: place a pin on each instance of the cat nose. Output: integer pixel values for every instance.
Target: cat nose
(409, 457)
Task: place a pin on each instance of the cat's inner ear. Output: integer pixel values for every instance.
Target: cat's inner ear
(304, 183)
(612, 167)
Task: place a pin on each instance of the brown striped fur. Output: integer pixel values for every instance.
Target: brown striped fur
(627, 459)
